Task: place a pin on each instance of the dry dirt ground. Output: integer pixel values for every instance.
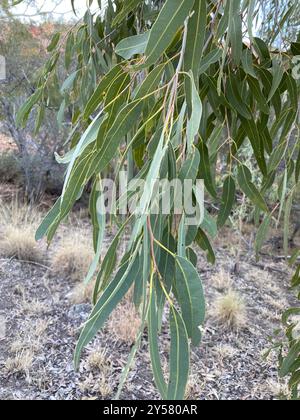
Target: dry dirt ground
(40, 327)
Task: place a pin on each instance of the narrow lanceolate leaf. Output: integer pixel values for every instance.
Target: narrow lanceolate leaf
(181, 248)
(98, 215)
(262, 233)
(25, 110)
(108, 264)
(195, 38)
(151, 82)
(48, 221)
(204, 243)
(169, 21)
(228, 198)
(191, 298)
(190, 167)
(277, 72)
(107, 303)
(128, 7)
(290, 359)
(153, 326)
(88, 137)
(247, 186)
(287, 221)
(133, 45)
(205, 169)
(194, 121)
(54, 41)
(124, 122)
(179, 357)
(235, 31)
(97, 97)
(211, 58)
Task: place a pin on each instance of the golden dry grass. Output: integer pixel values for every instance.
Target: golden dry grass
(230, 310)
(125, 322)
(81, 293)
(18, 224)
(73, 257)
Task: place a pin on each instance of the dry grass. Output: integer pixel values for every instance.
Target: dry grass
(21, 363)
(99, 359)
(73, 257)
(81, 294)
(20, 243)
(125, 322)
(222, 280)
(18, 224)
(230, 310)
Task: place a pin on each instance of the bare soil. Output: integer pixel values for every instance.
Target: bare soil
(229, 365)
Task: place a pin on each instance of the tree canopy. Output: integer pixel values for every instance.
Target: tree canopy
(175, 90)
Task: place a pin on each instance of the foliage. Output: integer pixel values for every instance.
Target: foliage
(171, 92)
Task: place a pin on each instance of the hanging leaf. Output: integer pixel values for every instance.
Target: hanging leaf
(132, 46)
(179, 357)
(228, 199)
(171, 18)
(191, 298)
(245, 182)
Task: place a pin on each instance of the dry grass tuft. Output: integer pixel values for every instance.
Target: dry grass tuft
(222, 280)
(18, 224)
(125, 322)
(20, 243)
(230, 310)
(81, 294)
(21, 363)
(100, 360)
(73, 257)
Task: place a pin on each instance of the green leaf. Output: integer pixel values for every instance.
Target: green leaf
(88, 137)
(203, 243)
(54, 41)
(151, 82)
(123, 123)
(129, 47)
(97, 97)
(235, 31)
(205, 169)
(294, 353)
(111, 297)
(170, 19)
(128, 7)
(190, 297)
(194, 121)
(195, 38)
(228, 199)
(154, 348)
(211, 58)
(245, 182)
(190, 167)
(68, 83)
(179, 357)
(287, 220)
(262, 234)
(278, 72)
(25, 110)
(48, 221)
(108, 264)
